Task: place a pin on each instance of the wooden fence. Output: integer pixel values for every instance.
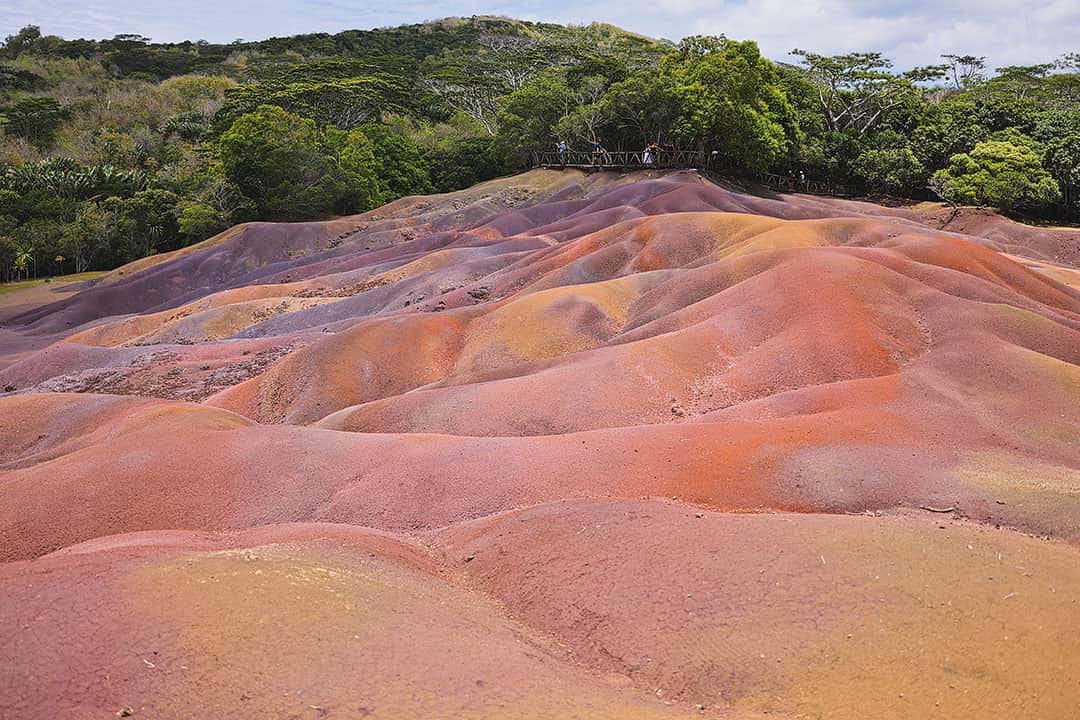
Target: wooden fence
(787, 183)
(707, 162)
(620, 160)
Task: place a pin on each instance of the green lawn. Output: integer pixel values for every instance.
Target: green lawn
(11, 287)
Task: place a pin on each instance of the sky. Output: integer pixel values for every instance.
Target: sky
(910, 32)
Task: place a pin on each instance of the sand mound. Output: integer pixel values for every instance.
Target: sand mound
(587, 609)
(791, 616)
(354, 624)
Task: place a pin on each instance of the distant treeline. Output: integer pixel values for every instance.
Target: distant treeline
(114, 149)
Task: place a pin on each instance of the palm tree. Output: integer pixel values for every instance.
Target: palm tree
(24, 256)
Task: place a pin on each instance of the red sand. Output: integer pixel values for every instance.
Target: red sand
(497, 378)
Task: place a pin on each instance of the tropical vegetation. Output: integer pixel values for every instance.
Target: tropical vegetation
(114, 149)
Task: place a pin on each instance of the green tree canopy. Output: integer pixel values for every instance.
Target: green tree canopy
(999, 174)
(397, 163)
(86, 237)
(197, 221)
(892, 170)
(35, 118)
(856, 90)
(291, 169)
(731, 99)
(1062, 159)
(528, 119)
(643, 108)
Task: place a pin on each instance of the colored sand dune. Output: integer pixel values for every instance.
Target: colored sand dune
(559, 445)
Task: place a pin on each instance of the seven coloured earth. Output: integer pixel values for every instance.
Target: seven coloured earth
(560, 445)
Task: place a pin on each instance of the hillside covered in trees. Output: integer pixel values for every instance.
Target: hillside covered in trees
(116, 149)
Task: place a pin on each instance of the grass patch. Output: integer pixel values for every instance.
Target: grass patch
(11, 287)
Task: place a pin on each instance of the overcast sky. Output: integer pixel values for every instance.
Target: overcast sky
(909, 31)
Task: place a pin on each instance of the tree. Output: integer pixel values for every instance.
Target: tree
(464, 162)
(479, 97)
(1062, 159)
(13, 78)
(291, 170)
(527, 122)
(731, 98)
(221, 197)
(966, 71)
(997, 110)
(477, 81)
(644, 107)
(343, 102)
(84, 238)
(24, 41)
(927, 73)
(356, 183)
(9, 248)
(187, 125)
(36, 118)
(589, 116)
(1001, 175)
(892, 170)
(1020, 80)
(11, 203)
(1062, 91)
(945, 130)
(63, 177)
(24, 258)
(151, 216)
(275, 158)
(514, 58)
(397, 163)
(198, 221)
(938, 186)
(855, 90)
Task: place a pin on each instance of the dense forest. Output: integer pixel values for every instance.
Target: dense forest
(111, 150)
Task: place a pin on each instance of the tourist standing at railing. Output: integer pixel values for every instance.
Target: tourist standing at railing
(600, 154)
(647, 157)
(654, 152)
(561, 147)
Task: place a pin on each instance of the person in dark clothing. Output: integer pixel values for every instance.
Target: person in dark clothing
(599, 154)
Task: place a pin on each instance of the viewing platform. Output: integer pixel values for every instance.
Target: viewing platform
(702, 160)
(622, 160)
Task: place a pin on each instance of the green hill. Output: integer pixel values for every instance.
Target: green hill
(114, 149)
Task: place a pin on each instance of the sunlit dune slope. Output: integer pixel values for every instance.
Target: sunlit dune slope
(585, 610)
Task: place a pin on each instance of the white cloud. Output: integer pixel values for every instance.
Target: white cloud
(909, 31)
